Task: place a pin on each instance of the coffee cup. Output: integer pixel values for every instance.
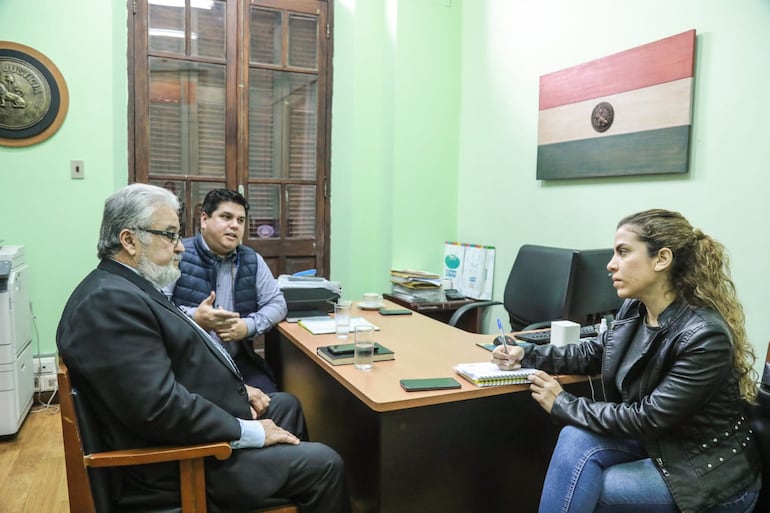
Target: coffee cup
(564, 332)
(372, 298)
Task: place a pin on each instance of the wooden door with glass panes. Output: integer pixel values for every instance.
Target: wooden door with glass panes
(237, 94)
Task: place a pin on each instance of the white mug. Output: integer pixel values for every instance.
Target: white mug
(372, 298)
(564, 332)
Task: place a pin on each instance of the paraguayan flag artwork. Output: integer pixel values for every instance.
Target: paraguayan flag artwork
(626, 114)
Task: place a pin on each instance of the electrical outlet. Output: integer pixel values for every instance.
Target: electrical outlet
(44, 365)
(46, 383)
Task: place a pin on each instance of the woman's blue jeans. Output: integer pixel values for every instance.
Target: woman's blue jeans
(589, 473)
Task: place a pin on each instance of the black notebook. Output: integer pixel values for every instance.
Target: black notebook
(341, 354)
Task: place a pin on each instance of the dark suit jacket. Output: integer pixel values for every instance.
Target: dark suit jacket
(152, 377)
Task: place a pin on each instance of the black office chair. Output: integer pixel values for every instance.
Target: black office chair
(88, 464)
(538, 288)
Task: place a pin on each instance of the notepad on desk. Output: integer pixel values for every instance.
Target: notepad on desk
(487, 374)
(342, 354)
(323, 326)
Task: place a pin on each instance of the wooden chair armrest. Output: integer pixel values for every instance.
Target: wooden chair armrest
(126, 457)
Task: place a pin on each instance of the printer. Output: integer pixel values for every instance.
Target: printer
(17, 382)
(308, 296)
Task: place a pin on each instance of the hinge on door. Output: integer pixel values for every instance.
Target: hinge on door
(326, 188)
(133, 6)
(328, 31)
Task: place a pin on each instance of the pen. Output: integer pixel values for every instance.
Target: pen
(502, 336)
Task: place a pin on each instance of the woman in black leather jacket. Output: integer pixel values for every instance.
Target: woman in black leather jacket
(666, 432)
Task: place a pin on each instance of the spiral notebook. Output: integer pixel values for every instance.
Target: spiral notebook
(487, 374)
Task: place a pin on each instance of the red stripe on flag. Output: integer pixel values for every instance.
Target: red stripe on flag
(651, 64)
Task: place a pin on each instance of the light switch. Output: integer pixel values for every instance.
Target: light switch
(77, 171)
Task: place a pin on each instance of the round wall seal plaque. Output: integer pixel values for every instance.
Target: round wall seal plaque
(33, 96)
(602, 116)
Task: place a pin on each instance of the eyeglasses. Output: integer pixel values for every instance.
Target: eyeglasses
(173, 237)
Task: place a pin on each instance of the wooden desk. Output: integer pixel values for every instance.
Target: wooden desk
(467, 450)
(443, 311)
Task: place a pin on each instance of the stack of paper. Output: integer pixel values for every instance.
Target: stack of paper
(487, 374)
(322, 326)
(411, 285)
(415, 279)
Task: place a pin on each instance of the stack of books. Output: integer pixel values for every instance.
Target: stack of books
(343, 354)
(411, 285)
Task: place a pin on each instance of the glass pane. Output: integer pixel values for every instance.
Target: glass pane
(301, 216)
(283, 116)
(166, 26)
(208, 28)
(303, 41)
(187, 118)
(178, 188)
(265, 26)
(264, 211)
(198, 191)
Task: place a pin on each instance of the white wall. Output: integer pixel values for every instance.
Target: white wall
(507, 46)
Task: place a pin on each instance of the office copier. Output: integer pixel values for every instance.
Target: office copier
(16, 377)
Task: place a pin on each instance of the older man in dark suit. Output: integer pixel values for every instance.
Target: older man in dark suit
(154, 377)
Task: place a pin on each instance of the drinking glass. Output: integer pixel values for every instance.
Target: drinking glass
(363, 347)
(342, 318)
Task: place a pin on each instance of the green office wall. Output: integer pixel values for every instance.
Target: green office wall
(507, 46)
(41, 207)
(394, 138)
(434, 135)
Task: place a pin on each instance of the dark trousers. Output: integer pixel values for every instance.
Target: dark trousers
(310, 474)
(254, 369)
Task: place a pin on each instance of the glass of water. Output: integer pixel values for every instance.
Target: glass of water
(363, 347)
(342, 318)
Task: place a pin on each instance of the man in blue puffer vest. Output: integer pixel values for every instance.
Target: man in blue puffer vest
(227, 288)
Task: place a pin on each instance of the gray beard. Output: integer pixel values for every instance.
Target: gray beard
(158, 275)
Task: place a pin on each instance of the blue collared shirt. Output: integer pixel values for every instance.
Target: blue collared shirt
(271, 308)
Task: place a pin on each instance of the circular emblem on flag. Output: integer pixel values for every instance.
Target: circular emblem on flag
(602, 117)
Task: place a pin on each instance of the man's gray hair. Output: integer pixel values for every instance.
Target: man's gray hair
(130, 208)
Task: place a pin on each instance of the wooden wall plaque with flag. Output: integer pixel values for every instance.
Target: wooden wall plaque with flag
(629, 113)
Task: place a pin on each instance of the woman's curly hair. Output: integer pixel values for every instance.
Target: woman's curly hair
(700, 276)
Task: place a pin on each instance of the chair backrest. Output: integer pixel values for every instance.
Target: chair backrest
(89, 488)
(539, 285)
(78, 482)
(593, 295)
(759, 416)
(89, 485)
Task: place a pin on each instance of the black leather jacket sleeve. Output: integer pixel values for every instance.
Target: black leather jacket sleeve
(679, 398)
(677, 375)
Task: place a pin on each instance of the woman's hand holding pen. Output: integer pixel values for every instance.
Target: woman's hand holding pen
(508, 358)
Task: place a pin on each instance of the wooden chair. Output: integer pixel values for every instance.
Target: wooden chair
(89, 488)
